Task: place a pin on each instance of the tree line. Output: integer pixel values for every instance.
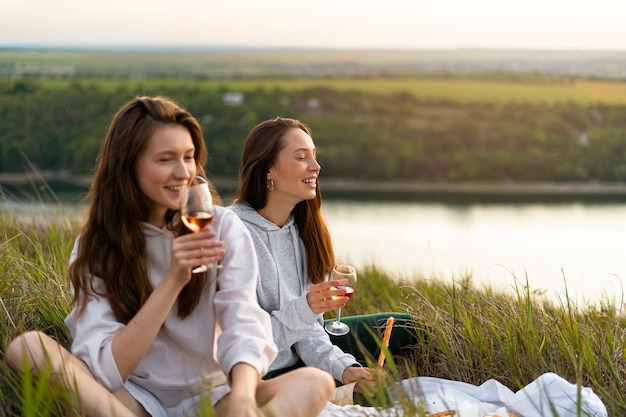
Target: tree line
(359, 136)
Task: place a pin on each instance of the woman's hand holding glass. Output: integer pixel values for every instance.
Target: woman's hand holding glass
(193, 249)
(327, 296)
(348, 273)
(196, 212)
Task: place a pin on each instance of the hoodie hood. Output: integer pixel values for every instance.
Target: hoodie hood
(280, 256)
(252, 217)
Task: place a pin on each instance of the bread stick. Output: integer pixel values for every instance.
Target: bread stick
(443, 414)
(388, 327)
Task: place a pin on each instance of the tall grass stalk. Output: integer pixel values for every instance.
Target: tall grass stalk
(463, 333)
(34, 294)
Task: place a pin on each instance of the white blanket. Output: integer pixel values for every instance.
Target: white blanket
(547, 396)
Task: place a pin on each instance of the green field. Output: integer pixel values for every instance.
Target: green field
(461, 76)
(466, 91)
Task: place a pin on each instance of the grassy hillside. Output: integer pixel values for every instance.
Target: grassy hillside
(463, 333)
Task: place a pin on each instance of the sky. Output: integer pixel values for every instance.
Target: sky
(335, 24)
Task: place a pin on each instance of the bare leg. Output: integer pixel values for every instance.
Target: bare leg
(132, 404)
(36, 350)
(302, 392)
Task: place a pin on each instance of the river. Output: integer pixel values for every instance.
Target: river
(553, 248)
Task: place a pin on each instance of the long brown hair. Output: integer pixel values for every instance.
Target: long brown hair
(260, 153)
(112, 244)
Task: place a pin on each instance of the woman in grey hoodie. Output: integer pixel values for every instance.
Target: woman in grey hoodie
(279, 201)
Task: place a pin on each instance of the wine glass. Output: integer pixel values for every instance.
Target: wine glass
(342, 271)
(196, 209)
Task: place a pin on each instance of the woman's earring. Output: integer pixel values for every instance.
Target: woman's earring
(270, 185)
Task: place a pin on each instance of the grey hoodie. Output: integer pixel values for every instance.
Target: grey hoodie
(281, 290)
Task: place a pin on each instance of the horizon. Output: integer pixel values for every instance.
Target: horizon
(535, 25)
(245, 48)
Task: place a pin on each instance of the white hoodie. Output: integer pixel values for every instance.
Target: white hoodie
(191, 355)
(281, 290)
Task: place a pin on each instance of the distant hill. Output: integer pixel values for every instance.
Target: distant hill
(433, 117)
(226, 63)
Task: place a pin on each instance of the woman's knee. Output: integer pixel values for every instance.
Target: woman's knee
(318, 378)
(29, 349)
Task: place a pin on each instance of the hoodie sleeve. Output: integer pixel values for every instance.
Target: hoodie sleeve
(318, 351)
(294, 321)
(296, 324)
(92, 335)
(246, 329)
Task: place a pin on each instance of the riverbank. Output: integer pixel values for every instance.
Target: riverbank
(359, 190)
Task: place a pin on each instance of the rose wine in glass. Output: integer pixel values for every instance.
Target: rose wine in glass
(342, 271)
(196, 209)
(197, 221)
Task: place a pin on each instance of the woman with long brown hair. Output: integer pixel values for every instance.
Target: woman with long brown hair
(279, 201)
(149, 336)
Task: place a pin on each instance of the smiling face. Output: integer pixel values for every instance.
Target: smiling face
(166, 164)
(296, 170)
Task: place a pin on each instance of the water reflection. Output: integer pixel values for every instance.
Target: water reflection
(35, 212)
(571, 247)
